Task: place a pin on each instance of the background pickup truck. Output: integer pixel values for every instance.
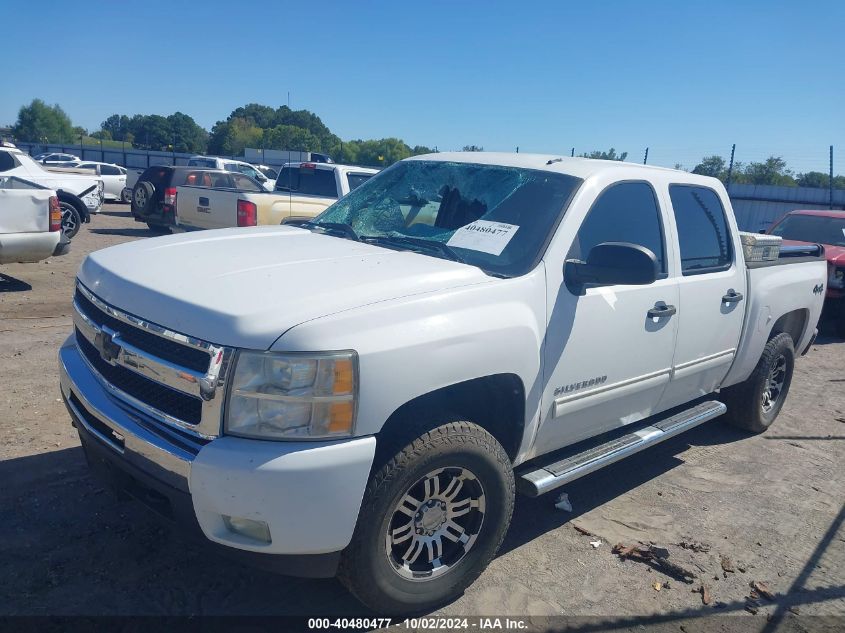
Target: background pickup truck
(365, 396)
(314, 186)
(30, 222)
(79, 194)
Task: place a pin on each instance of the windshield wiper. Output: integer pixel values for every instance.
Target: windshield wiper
(420, 244)
(329, 227)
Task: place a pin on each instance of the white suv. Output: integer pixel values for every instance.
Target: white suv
(214, 162)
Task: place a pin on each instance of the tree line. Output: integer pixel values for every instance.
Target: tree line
(259, 126)
(772, 171)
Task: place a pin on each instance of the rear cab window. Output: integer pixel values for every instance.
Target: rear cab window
(202, 162)
(703, 233)
(308, 181)
(355, 180)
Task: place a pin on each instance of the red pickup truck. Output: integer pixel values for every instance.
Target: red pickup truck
(827, 228)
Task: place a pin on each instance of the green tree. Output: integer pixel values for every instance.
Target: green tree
(713, 166)
(608, 155)
(772, 171)
(472, 148)
(382, 152)
(104, 135)
(189, 136)
(421, 149)
(151, 131)
(291, 137)
(117, 125)
(39, 122)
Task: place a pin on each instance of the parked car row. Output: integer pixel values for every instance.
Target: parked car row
(186, 198)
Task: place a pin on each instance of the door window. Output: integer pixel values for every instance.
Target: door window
(109, 170)
(245, 183)
(703, 233)
(624, 212)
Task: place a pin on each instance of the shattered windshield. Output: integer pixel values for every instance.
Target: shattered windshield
(497, 218)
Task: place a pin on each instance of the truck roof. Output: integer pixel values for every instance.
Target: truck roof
(579, 167)
(332, 166)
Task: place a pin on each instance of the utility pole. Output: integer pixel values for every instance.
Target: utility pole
(517, 149)
(572, 153)
(731, 168)
(645, 158)
(830, 189)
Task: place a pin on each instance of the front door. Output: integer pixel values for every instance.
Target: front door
(608, 352)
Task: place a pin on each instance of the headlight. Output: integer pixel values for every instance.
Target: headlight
(836, 278)
(293, 396)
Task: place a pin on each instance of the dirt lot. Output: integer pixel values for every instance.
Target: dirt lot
(766, 508)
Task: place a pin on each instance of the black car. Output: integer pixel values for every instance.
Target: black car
(154, 195)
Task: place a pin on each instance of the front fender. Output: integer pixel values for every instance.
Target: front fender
(77, 202)
(409, 347)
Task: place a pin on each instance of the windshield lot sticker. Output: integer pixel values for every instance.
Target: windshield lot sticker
(484, 236)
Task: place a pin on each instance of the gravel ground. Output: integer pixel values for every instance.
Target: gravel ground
(765, 508)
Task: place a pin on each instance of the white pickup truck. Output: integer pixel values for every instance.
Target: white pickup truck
(79, 194)
(303, 191)
(30, 222)
(365, 396)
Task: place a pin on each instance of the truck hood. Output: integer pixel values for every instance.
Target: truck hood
(246, 287)
(834, 254)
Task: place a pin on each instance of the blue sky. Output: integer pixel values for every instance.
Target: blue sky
(684, 78)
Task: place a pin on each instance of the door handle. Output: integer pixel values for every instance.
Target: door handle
(732, 297)
(661, 310)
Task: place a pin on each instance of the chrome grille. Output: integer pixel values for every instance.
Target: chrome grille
(170, 377)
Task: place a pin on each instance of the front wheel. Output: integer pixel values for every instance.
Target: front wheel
(754, 404)
(126, 196)
(431, 520)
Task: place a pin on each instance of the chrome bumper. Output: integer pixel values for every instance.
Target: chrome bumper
(163, 454)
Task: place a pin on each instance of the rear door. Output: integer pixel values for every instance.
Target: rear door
(712, 286)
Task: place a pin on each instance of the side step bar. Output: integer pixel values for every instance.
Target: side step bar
(541, 480)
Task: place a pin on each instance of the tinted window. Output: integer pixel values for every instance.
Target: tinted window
(245, 183)
(625, 212)
(703, 233)
(312, 182)
(109, 170)
(202, 162)
(812, 228)
(356, 180)
(158, 176)
(6, 161)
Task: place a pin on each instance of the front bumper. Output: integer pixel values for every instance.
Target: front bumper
(308, 493)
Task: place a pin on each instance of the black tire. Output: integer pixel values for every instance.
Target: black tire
(754, 404)
(143, 198)
(158, 229)
(71, 218)
(126, 196)
(429, 467)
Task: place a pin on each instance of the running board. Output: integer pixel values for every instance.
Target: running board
(535, 482)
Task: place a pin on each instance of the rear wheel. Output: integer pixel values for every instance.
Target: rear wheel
(754, 404)
(71, 218)
(126, 196)
(432, 519)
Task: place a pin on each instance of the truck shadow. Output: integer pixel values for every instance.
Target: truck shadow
(139, 232)
(11, 284)
(535, 517)
(71, 548)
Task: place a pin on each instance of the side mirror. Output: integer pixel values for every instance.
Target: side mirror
(612, 264)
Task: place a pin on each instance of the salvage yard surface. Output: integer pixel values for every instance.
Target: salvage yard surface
(712, 522)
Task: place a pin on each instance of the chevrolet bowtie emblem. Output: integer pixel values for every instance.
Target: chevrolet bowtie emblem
(109, 350)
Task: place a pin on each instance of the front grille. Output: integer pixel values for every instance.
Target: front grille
(176, 353)
(174, 403)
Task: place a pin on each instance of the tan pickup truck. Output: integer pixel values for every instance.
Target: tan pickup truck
(303, 191)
